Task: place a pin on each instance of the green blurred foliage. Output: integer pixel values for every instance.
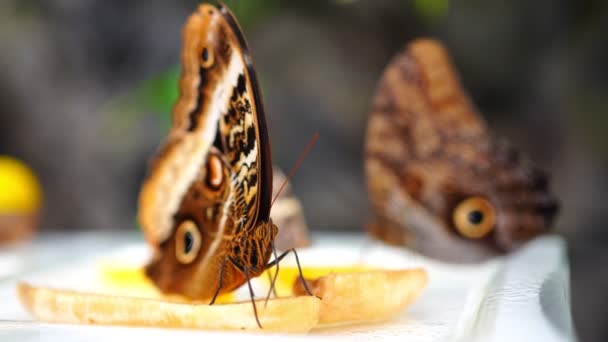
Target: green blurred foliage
(159, 93)
(431, 8)
(153, 96)
(249, 12)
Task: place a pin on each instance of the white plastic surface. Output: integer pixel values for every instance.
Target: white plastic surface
(523, 297)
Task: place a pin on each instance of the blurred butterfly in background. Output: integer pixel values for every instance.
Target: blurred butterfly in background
(437, 180)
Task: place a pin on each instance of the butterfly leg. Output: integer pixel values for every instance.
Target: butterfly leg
(219, 286)
(252, 295)
(273, 280)
(283, 255)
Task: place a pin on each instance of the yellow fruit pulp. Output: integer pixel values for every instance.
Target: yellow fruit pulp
(132, 281)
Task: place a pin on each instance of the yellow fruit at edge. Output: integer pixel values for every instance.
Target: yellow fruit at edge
(124, 280)
(19, 188)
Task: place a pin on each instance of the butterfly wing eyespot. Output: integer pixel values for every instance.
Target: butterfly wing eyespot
(187, 242)
(215, 172)
(206, 57)
(474, 218)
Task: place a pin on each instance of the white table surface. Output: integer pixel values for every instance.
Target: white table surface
(523, 297)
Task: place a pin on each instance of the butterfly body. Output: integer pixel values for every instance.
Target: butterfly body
(251, 249)
(438, 181)
(205, 204)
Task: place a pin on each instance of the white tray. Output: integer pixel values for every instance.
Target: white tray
(523, 297)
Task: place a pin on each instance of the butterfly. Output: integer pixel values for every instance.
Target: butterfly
(205, 204)
(438, 180)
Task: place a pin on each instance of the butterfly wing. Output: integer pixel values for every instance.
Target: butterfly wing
(213, 176)
(428, 150)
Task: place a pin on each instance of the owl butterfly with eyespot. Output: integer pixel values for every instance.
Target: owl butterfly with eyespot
(205, 205)
(437, 180)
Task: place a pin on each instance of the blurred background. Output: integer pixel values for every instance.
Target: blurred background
(87, 87)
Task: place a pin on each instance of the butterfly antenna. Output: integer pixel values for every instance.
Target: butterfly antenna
(295, 168)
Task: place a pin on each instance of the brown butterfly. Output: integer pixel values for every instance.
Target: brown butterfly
(205, 205)
(438, 181)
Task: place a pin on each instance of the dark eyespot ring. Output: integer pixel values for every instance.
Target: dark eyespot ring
(474, 218)
(206, 58)
(187, 242)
